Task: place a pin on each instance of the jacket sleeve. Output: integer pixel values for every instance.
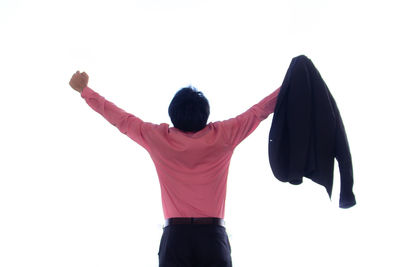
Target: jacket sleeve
(238, 128)
(343, 156)
(126, 123)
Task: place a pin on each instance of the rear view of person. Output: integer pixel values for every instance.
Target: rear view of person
(192, 160)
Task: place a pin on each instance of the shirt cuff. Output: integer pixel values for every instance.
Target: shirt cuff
(85, 92)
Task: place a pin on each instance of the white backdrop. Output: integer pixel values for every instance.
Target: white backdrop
(74, 191)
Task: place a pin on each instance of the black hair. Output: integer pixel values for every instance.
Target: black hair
(189, 110)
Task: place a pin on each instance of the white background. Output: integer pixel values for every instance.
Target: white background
(74, 191)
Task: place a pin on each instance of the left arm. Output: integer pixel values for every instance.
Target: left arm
(126, 123)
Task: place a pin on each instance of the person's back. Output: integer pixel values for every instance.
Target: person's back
(192, 161)
(192, 170)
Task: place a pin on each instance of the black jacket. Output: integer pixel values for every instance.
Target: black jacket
(307, 133)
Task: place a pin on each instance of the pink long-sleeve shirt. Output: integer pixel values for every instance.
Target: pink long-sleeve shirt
(192, 168)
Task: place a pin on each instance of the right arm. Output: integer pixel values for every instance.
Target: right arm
(238, 128)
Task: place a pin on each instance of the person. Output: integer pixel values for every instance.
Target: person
(192, 160)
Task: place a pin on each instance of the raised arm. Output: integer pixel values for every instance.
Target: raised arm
(238, 128)
(126, 123)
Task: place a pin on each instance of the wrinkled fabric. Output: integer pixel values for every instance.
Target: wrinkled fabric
(307, 133)
(192, 168)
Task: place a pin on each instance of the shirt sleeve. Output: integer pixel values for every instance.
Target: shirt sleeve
(238, 128)
(126, 123)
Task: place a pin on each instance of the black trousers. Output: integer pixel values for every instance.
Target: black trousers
(194, 245)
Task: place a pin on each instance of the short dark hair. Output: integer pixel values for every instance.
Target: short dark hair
(189, 110)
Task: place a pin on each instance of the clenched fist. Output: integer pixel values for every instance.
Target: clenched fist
(79, 81)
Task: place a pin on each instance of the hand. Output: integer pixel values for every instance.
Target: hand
(79, 81)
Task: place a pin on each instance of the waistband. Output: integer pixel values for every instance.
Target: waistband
(188, 220)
